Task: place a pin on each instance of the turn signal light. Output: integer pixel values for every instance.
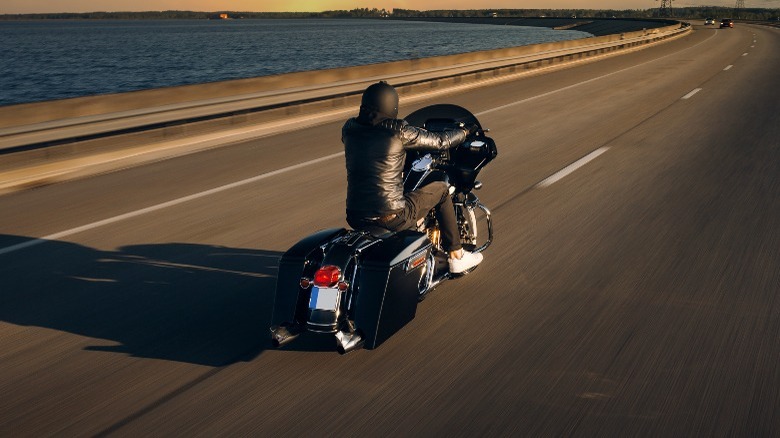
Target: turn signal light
(327, 276)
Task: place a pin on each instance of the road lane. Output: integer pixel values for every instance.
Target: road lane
(635, 295)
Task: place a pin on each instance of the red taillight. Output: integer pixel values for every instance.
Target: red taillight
(327, 276)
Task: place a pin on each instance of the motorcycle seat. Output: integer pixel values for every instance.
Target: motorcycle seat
(377, 232)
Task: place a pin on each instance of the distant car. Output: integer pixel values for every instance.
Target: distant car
(709, 21)
(726, 22)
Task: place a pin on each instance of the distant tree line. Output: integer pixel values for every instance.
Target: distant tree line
(191, 15)
(760, 14)
(155, 15)
(681, 13)
(587, 13)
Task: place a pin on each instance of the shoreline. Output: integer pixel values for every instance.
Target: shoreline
(680, 13)
(235, 64)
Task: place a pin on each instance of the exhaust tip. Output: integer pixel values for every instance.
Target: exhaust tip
(282, 335)
(346, 342)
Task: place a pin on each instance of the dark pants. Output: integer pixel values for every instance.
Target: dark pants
(418, 203)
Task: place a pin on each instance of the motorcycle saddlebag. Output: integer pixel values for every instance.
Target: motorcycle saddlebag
(390, 274)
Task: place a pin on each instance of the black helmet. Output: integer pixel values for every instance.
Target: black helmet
(380, 101)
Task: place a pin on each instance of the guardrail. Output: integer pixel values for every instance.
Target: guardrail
(34, 126)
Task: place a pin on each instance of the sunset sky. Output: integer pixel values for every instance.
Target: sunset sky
(37, 6)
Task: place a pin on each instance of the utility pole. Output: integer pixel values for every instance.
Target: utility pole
(738, 8)
(666, 8)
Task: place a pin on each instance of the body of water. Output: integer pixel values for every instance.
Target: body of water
(46, 60)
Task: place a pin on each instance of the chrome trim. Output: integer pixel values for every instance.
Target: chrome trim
(351, 289)
(441, 280)
(320, 325)
(423, 163)
(425, 174)
(472, 202)
(408, 264)
(490, 228)
(427, 275)
(346, 342)
(366, 245)
(324, 332)
(282, 335)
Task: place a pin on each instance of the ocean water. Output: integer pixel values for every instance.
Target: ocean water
(46, 60)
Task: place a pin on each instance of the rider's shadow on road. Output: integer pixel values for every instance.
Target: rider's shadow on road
(200, 304)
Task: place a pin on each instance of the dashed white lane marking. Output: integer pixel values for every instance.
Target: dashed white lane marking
(552, 179)
(728, 67)
(163, 205)
(689, 95)
(502, 107)
(745, 54)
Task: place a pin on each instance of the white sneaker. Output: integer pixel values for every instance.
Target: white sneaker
(469, 261)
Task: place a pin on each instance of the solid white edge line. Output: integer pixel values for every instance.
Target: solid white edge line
(163, 205)
(689, 95)
(559, 175)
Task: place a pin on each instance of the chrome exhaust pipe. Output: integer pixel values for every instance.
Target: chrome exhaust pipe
(346, 342)
(282, 335)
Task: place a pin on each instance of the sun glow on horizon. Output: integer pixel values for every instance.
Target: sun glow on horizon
(48, 6)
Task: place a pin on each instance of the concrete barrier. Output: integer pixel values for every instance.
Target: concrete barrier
(31, 126)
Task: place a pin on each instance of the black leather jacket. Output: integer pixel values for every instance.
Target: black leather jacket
(375, 158)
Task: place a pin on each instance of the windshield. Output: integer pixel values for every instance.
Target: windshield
(439, 113)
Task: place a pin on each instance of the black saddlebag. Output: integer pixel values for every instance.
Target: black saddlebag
(390, 274)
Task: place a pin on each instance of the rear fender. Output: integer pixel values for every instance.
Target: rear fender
(302, 257)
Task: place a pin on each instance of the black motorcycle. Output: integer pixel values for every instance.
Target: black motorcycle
(363, 286)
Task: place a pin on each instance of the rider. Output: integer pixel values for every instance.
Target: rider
(375, 145)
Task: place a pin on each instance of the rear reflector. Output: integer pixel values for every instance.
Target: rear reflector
(416, 261)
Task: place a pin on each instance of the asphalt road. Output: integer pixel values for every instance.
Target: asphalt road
(637, 295)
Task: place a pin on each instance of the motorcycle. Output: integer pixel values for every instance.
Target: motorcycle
(363, 286)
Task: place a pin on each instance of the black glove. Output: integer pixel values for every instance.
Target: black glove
(470, 128)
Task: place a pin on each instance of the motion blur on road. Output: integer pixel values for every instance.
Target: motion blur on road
(635, 295)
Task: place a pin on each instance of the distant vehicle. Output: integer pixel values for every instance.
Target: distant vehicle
(709, 21)
(726, 22)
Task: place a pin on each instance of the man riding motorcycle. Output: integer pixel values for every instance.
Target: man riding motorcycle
(375, 145)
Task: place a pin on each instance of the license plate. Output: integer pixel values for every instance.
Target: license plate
(324, 299)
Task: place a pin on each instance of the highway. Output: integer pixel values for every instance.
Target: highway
(633, 294)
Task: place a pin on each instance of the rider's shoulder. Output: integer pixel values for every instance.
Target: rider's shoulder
(396, 125)
(351, 123)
